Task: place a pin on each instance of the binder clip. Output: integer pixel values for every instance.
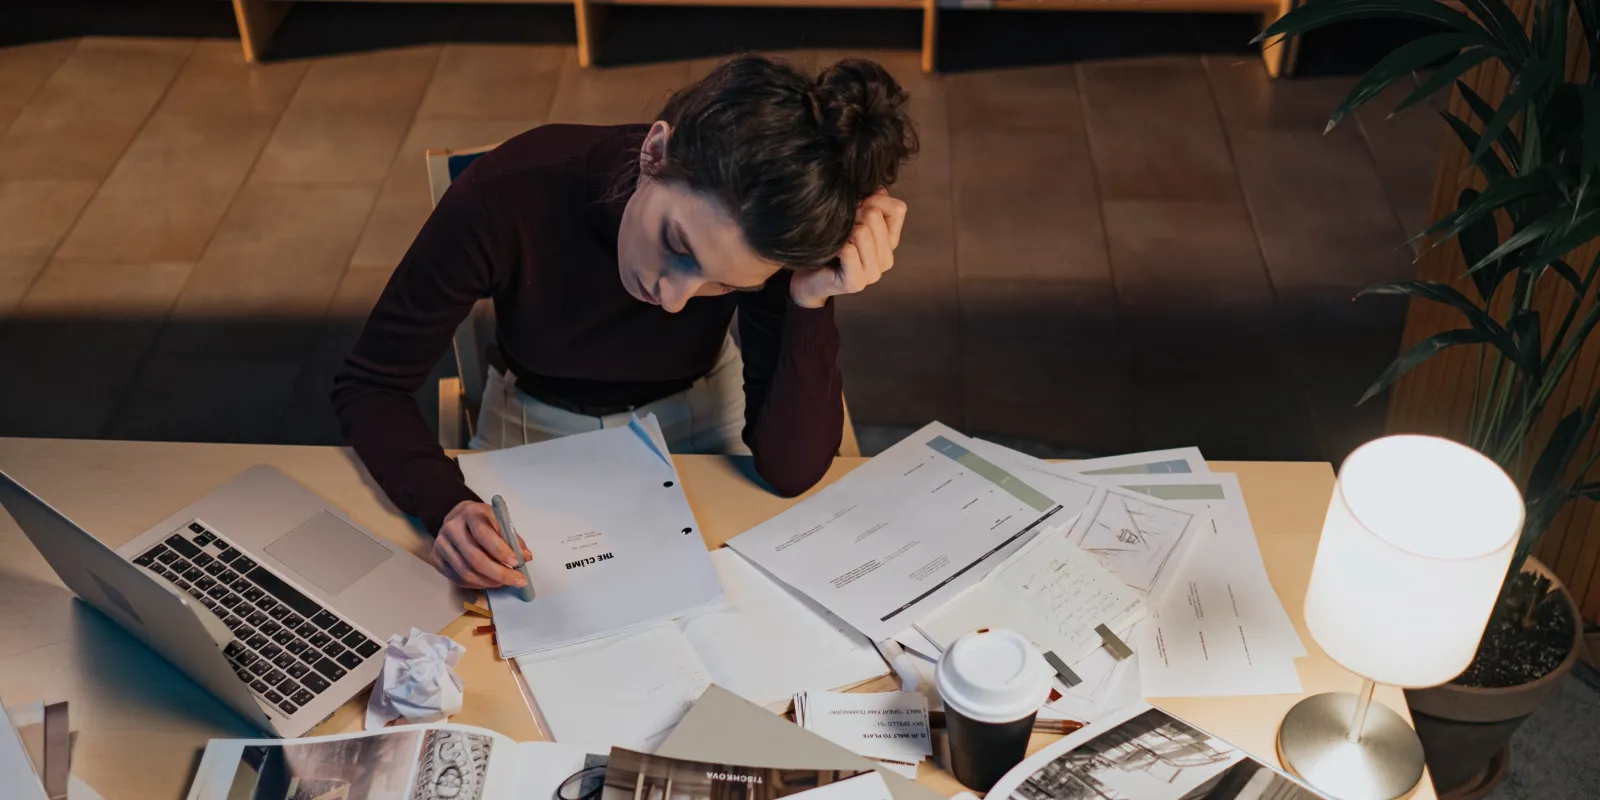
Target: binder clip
(1119, 649)
(1063, 671)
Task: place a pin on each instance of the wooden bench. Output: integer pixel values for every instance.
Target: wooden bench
(259, 18)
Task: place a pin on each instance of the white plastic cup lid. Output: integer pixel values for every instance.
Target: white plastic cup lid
(993, 676)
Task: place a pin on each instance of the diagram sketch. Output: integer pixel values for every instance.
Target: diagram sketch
(1132, 536)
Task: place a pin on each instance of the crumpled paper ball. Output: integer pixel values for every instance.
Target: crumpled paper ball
(419, 681)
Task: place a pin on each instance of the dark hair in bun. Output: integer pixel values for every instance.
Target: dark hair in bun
(789, 157)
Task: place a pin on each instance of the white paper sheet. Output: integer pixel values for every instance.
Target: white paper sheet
(18, 778)
(630, 692)
(1049, 591)
(615, 546)
(1231, 532)
(543, 766)
(1139, 539)
(869, 786)
(772, 641)
(902, 533)
(914, 641)
(1108, 684)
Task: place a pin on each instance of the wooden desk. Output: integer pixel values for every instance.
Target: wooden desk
(142, 725)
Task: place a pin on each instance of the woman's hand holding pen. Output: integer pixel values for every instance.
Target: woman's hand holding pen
(864, 259)
(470, 551)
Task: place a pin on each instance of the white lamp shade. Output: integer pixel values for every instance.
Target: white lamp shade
(1416, 543)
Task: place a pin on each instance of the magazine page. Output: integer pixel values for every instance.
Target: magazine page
(410, 762)
(631, 775)
(1144, 753)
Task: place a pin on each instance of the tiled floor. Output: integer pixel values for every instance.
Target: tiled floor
(1103, 253)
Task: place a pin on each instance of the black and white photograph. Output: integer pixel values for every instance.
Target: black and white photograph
(453, 766)
(1154, 755)
(640, 776)
(359, 768)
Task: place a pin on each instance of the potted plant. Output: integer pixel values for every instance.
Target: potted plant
(1537, 152)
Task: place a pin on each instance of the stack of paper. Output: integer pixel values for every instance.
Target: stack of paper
(903, 533)
(615, 546)
(890, 728)
(1215, 626)
(764, 645)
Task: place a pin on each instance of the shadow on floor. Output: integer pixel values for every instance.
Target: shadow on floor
(1025, 379)
(1552, 754)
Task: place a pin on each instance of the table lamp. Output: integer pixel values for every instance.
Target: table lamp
(1417, 541)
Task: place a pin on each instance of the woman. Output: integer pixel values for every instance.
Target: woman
(617, 258)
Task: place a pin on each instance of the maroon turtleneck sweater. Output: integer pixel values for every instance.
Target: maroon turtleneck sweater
(533, 225)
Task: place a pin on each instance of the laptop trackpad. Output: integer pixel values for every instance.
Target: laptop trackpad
(329, 552)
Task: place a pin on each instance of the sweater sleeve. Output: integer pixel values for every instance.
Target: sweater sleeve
(450, 265)
(794, 408)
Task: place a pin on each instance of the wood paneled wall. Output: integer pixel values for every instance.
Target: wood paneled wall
(1437, 397)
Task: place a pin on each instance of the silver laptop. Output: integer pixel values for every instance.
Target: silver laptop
(260, 591)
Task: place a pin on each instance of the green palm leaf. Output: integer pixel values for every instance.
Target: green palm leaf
(1327, 12)
(1419, 353)
(1489, 163)
(1444, 75)
(1485, 112)
(1528, 83)
(1402, 62)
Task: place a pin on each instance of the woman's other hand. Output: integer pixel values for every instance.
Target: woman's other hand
(470, 551)
(864, 259)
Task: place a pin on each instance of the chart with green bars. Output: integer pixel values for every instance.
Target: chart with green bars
(981, 467)
(1179, 491)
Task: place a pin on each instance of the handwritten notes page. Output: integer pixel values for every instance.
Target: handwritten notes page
(1051, 592)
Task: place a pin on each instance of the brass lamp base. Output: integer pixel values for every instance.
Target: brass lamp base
(1313, 743)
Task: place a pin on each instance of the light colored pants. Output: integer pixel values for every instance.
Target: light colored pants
(708, 417)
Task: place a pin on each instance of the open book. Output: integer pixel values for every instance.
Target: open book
(1144, 753)
(456, 762)
(412, 762)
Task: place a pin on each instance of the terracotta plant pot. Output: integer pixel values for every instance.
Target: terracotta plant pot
(1463, 728)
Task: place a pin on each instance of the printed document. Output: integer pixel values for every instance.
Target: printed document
(615, 546)
(902, 533)
(887, 725)
(1220, 629)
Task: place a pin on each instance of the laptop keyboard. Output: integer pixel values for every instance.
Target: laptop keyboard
(288, 647)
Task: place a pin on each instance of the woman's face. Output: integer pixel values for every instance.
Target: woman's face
(676, 243)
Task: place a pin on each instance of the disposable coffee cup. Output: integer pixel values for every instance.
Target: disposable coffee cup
(993, 683)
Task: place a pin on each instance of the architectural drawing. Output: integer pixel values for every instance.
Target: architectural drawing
(1132, 536)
